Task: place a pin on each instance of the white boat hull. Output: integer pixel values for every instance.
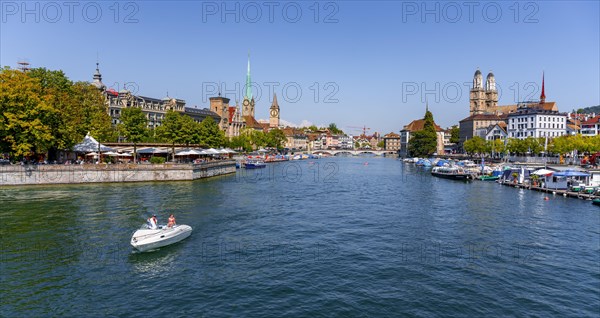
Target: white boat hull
(147, 239)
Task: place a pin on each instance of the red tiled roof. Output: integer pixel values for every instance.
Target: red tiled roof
(418, 124)
(252, 123)
(592, 121)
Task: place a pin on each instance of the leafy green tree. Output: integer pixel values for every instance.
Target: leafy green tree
(516, 146)
(133, 126)
(334, 129)
(475, 145)
(210, 134)
(424, 142)
(534, 145)
(313, 128)
(170, 129)
(381, 144)
(454, 134)
(276, 138)
(241, 142)
(25, 124)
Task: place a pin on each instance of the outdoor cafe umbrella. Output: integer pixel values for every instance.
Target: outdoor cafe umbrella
(151, 151)
(90, 144)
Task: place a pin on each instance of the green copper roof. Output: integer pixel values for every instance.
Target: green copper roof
(248, 81)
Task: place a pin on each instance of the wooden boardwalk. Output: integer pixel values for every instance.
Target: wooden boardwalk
(566, 193)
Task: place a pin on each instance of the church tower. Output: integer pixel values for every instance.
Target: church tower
(248, 103)
(491, 94)
(477, 95)
(274, 118)
(543, 95)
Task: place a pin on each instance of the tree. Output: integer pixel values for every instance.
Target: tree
(313, 128)
(334, 130)
(516, 146)
(475, 145)
(534, 145)
(170, 129)
(133, 126)
(454, 134)
(25, 124)
(210, 134)
(276, 138)
(424, 142)
(241, 142)
(381, 144)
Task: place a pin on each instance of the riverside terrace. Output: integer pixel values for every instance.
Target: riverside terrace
(11, 175)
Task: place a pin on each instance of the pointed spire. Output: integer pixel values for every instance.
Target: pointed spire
(426, 105)
(275, 104)
(248, 80)
(543, 95)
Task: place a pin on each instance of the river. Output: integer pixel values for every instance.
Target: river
(353, 236)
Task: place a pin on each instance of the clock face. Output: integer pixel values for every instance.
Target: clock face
(246, 102)
(273, 112)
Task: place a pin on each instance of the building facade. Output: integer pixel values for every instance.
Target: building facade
(391, 142)
(414, 126)
(536, 120)
(591, 127)
(155, 109)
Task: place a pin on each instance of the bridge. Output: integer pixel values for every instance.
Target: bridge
(336, 152)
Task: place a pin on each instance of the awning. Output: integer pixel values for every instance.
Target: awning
(90, 144)
(543, 172)
(571, 173)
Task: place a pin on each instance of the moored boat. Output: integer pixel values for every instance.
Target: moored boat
(146, 239)
(454, 173)
(596, 202)
(254, 164)
(489, 178)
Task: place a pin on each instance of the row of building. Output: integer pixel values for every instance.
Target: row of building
(231, 119)
(491, 121)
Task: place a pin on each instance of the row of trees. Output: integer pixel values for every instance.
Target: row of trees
(250, 138)
(533, 146)
(43, 112)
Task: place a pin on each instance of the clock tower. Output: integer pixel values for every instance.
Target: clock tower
(248, 102)
(274, 113)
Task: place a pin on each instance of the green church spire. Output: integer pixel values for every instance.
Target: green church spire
(248, 81)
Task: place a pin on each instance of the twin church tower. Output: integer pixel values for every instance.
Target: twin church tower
(483, 101)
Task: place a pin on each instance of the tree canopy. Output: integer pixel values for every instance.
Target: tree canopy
(43, 111)
(423, 143)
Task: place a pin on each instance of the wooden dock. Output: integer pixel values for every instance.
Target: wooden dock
(566, 193)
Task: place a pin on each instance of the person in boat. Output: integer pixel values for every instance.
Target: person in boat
(171, 221)
(152, 222)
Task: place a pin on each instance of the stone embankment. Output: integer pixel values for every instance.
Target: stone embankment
(89, 173)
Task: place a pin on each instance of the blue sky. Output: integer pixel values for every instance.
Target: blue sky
(354, 63)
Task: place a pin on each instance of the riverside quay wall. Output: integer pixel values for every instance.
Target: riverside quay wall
(11, 175)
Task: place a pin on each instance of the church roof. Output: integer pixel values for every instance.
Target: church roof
(252, 123)
(484, 117)
(418, 124)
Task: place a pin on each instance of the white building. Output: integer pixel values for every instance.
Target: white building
(497, 131)
(591, 127)
(536, 120)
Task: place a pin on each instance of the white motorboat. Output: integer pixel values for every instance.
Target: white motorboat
(146, 239)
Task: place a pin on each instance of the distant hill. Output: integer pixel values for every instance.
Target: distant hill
(589, 110)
